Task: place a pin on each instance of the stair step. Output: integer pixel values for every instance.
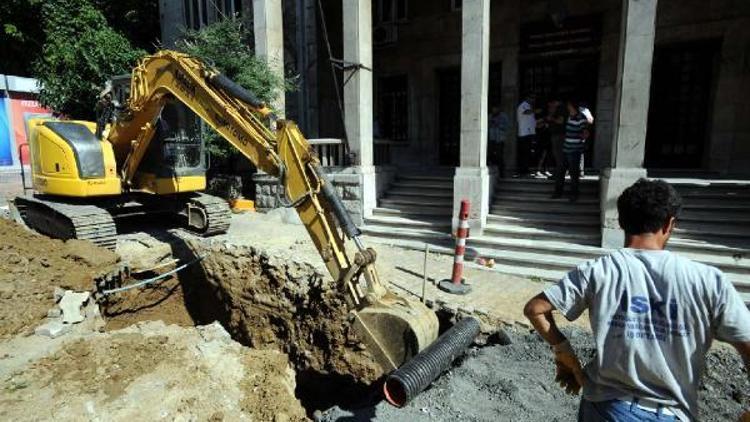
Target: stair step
(396, 233)
(586, 237)
(711, 232)
(724, 247)
(427, 178)
(548, 247)
(401, 192)
(507, 207)
(403, 222)
(548, 219)
(714, 207)
(547, 188)
(583, 197)
(414, 211)
(422, 185)
(400, 201)
(547, 200)
(714, 218)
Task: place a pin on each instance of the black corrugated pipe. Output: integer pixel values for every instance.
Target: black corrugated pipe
(408, 381)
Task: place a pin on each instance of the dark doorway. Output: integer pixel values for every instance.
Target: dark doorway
(680, 97)
(563, 78)
(449, 115)
(449, 109)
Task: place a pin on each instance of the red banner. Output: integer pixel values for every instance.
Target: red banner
(23, 107)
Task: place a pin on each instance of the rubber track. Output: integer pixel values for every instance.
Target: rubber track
(217, 211)
(88, 222)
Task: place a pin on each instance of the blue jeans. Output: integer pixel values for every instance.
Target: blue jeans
(617, 411)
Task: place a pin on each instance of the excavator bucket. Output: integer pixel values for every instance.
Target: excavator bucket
(395, 329)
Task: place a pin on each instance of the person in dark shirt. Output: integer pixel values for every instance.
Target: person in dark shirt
(555, 122)
(576, 133)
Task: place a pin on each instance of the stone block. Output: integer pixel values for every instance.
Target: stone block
(55, 312)
(52, 329)
(351, 192)
(71, 304)
(57, 294)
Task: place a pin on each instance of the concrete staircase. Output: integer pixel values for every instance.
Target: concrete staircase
(415, 207)
(530, 234)
(715, 227)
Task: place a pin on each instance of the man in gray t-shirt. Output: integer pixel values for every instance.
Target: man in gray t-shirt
(653, 314)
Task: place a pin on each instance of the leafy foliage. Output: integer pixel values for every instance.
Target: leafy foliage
(80, 53)
(20, 36)
(226, 45)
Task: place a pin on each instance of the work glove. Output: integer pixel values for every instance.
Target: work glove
(569, 373)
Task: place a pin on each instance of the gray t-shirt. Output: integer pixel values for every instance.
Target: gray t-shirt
(654, 315)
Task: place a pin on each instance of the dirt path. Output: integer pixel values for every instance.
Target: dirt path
(31, 266)
(150, 372)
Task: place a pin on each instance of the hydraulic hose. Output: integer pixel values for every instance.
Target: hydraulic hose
(408, 381)
(231, 87)
(343, 217)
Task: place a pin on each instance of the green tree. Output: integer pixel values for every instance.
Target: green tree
(226, 45)
(80, 53)
(20, 36)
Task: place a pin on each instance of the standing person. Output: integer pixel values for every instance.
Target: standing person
(543, 146)
(555, 121)
(576, 132)
(590, 119)
(497, 132)
(653, 314)
(526, 119)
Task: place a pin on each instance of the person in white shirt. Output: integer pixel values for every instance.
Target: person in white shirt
(526, 120)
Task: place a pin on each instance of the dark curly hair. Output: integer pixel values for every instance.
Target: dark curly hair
(647, 206)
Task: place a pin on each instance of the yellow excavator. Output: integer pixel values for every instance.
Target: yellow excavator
(88, 174)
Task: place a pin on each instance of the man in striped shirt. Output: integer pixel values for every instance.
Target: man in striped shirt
(576, 133)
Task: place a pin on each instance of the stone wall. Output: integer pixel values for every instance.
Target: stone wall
(347, 182)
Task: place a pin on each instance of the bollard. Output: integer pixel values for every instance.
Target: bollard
(457, 284)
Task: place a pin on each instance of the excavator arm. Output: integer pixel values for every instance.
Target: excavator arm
(393, 328)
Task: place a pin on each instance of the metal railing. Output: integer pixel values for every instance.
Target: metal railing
(331, 151)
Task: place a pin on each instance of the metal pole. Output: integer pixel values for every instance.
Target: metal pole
(424, 270)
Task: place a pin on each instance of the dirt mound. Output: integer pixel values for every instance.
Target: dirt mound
(151, 371)
(31, 266)
(274, 302)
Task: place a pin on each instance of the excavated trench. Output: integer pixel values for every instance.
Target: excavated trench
(272, 302)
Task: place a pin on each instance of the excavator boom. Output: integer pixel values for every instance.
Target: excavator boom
(393, 328)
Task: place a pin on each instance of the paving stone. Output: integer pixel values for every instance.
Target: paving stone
(71, 304)
(52, 329)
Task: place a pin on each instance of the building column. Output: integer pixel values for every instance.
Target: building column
(632, 92)
(472, 179)
(269, 42)
(358, 114)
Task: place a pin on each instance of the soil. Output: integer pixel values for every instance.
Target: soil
(516, 382)
(151, 371)
(31, 266)
(275, 302)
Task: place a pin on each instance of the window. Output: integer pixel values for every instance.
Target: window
(389, 11)
(392, 121)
